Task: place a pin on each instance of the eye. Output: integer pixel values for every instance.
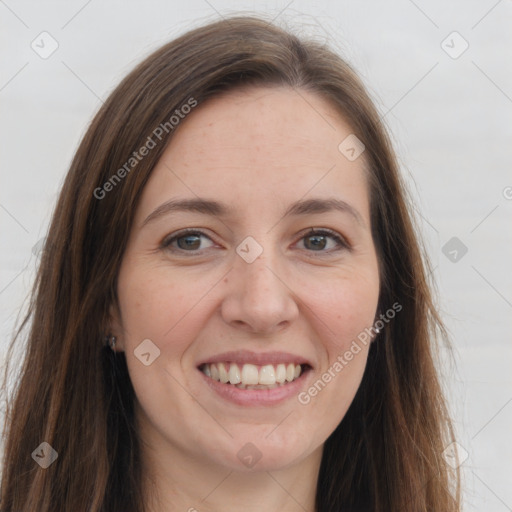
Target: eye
(317, 240)
(188, 240)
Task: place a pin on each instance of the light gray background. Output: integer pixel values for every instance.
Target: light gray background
(450, 120)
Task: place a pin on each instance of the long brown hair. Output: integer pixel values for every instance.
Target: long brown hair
(75, 394)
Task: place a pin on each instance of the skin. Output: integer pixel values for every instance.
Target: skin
(258, 150)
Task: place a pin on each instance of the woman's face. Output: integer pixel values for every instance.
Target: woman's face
(277, 274)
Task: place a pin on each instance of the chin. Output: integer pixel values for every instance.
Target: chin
(263, 451)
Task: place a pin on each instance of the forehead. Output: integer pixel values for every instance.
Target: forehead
(272, 145)
(246, 122)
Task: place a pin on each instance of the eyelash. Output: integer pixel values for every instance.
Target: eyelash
(342, 243)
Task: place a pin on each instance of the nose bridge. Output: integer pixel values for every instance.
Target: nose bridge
(258, 279)
(258, 297)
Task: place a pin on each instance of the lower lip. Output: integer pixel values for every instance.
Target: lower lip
(248, 397)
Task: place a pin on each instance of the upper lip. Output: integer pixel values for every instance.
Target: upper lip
(256, 358)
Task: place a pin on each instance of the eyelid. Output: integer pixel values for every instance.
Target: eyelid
(341, 240)
(343, 243)
(168, 239)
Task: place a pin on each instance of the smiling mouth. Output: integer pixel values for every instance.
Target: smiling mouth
(251, 376)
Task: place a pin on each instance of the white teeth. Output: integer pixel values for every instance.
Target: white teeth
(267, 375)
(234, 374)
(290, 372)
(280, 373)
(223, 374)
(251, 376)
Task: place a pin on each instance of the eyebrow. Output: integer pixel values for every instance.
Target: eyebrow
(216, 209)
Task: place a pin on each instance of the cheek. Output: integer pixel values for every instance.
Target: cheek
(342, 311)
(169, 310)
(161, 307)
(344, 306)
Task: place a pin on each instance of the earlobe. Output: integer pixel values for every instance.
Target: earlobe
(110, 341)
(114, 334)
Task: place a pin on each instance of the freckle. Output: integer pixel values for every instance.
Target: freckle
(225, 279)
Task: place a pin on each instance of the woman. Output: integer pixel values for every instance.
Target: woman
(232, 308)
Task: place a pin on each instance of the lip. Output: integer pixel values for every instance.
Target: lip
(256, 358)
(257, 397)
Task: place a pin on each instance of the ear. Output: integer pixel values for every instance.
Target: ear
(115, 326)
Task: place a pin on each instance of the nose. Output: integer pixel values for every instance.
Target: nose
(258, 298)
